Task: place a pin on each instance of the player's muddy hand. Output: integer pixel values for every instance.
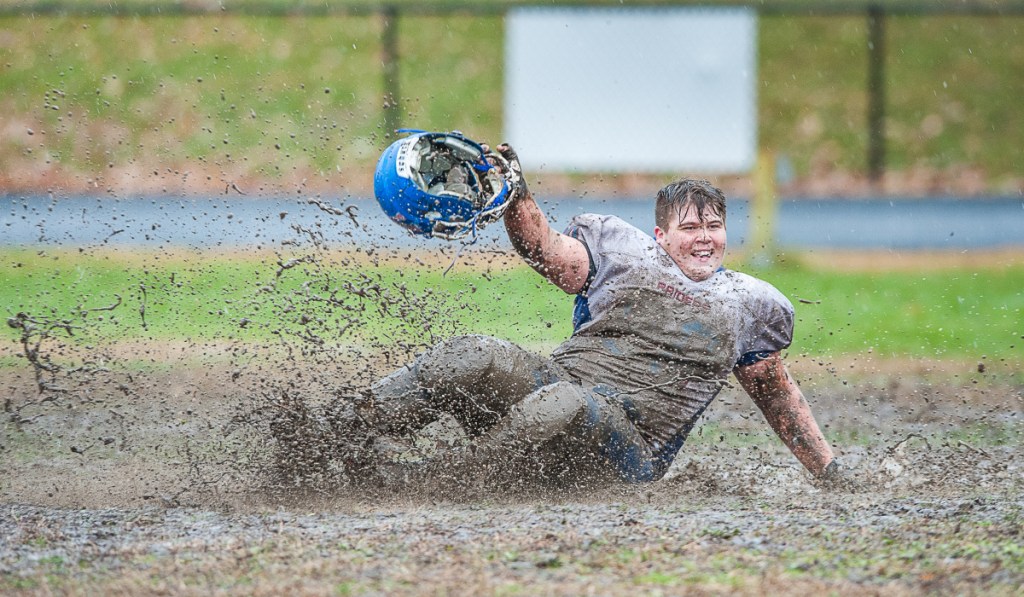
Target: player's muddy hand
(516, 179)
(837, 477)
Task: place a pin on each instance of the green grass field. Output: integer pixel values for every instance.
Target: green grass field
(956, 313)
(264, 97)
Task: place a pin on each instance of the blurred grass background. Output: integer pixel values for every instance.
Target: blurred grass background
(946, 77)
(179, 103)
(175, 102)
(939, 314)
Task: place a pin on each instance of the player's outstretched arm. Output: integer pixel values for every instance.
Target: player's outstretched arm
(774, 391)
(561, 259)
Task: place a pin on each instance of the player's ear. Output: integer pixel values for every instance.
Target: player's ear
(658, 233)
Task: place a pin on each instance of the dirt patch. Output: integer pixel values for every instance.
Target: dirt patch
(149, 466)
(912, 261)
(612, 548)
(147, 480)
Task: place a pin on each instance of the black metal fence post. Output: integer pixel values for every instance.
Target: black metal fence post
(876, 93)
(389, 60)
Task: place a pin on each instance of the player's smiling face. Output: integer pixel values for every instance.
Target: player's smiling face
(695, 243)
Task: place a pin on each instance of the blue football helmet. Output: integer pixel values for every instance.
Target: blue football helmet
(442, 184)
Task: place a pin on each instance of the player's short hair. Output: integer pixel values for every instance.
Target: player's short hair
(676, 197)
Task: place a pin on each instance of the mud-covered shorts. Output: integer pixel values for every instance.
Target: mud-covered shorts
(514, 402)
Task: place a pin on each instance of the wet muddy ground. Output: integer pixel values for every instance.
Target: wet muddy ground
(154, 480)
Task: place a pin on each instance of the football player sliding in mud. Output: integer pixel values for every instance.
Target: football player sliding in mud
(659, 325)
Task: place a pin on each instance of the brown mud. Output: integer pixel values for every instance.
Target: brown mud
(184, 467)
(163, 480)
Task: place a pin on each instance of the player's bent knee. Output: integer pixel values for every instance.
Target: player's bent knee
(556, 407)
(458, 359)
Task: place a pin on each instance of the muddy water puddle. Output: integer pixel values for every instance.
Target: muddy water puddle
(149, 481)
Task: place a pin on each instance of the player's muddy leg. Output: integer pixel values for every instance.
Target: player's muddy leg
(478, 378)
(535, 420)
(398, 403)
(607, 444)
(475, 378)
(569, 432)
(528, 424)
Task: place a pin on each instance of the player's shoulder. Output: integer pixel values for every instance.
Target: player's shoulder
(738, 278)
(592, 220)
(600, 229)
(751, 287)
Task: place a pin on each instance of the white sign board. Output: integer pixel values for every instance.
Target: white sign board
(628, 90)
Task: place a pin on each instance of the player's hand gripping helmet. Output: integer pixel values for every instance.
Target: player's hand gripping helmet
(442, 184)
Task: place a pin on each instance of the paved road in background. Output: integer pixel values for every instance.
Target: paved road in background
(906, 224)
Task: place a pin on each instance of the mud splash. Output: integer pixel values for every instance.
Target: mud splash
(129, 462)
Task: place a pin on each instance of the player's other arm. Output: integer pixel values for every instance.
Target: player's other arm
(775, 392)
(560, 258)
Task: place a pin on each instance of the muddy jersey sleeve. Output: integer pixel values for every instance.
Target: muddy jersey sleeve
(617, 251)
(576, 230)
(769, 325)
(613, 247)
(609, 240)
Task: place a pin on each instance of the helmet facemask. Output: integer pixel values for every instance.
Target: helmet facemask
(443, 184)
(448, 166)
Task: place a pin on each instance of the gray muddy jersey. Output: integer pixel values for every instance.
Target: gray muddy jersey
(660, 342)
